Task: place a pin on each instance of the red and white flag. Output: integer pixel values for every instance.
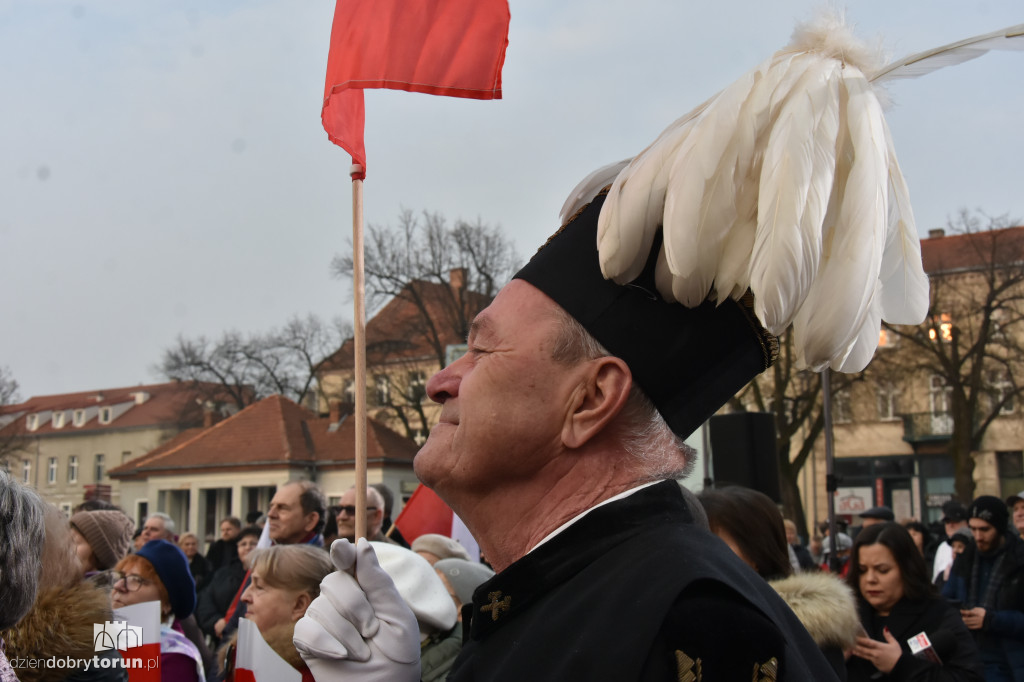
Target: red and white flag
(136, 632)
(425, 512)
(256, 661)
(454, 48)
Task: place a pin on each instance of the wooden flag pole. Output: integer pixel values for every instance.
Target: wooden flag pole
(359, 294)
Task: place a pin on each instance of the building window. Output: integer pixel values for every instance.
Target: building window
(888, 401)
(942, 328)
(382, 393)
(887, 338)
(98, 467)
(65, 508)
(1001, 391)
(842, 412)
(73, 469)
(939, 394)
(58, 419)
(79, 418)
(26, 471)
(32, 422)
(417, 386)
(106, 415)
(348, 389)
(51, 471)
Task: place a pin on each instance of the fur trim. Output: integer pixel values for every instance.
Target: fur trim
(60, 624)
(824, 604)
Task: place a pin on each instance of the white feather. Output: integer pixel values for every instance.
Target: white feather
(1010, 38)
(796, 181)
(904, 291)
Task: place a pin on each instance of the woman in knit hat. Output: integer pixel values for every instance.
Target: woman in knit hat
(101, 538)
(159, 572)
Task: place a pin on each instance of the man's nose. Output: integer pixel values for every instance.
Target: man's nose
(444, 384)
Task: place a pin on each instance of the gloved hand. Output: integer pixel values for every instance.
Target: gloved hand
(359, 628)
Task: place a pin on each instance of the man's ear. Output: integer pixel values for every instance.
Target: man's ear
(597, 400)
(313, 518)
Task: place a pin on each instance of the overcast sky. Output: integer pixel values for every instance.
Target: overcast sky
(163, 169)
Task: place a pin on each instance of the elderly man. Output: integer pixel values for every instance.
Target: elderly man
(1016, 506)
(989, 584)
(158, 526)
(374, 516)
(561, 467)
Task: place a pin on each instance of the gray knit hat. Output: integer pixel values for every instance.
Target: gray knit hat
(464, 576)
(108, 532)
(441, 546)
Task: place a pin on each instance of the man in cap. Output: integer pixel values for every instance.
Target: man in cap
(876, 515)
(1016, 505)
(954, 518)
(989, 584)
(561, 467)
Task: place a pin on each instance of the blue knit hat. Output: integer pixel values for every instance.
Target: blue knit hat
(171, 566)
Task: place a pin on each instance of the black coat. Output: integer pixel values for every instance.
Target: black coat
(945, 628)
(215, 599)
(634, 591)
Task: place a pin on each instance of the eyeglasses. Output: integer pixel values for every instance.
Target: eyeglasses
(350, 509)
(131, 582)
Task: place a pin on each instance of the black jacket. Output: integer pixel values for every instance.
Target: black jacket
(634, 591)
(945, 628)
(217, 596)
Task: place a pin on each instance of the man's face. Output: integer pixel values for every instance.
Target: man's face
(228, 530)
(154, 530)
(1018, 515)
(347, 521)
(985, 535)
(503, 403)
(288, 523)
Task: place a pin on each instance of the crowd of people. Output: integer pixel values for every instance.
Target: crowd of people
(60, 576)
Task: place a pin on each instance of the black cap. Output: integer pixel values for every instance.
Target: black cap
(688, 361)
(883, 513)
(953, 512)
(1014, 499)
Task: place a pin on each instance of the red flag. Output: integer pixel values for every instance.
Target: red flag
(425, 512)
(454, 48)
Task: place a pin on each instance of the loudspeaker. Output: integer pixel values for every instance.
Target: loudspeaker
(743, 452)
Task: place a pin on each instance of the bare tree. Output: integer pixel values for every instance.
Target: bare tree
(795, 399)
(971, 344)
(10, 441)
(424, 249)
(246, 368)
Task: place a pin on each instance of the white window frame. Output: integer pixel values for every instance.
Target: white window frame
(26, 471)
(842, 407)
(106, 415)
(58, 419)
(73, 469)
(888, 401)
(78, 419)
(99, 466)
(51, 471)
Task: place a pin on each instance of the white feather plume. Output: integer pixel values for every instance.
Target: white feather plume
(786, 183)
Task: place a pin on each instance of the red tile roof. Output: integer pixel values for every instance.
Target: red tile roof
(973, 250)
(272, 433)
(398, 331)
(151, 405)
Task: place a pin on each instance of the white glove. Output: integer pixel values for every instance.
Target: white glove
(359, 628)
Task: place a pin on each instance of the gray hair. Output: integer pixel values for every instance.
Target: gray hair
(168, 521)
(646, 437)
(300, 568)
(21, 536)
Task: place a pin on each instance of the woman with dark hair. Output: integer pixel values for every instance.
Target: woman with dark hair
(922, 538)
(752, 525)
(215, 599)
(898, 603)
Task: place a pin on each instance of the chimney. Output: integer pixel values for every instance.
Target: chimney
(211, 415)
(457, 279)
(936, 232)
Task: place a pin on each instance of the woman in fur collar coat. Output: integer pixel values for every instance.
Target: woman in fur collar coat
(285, 581)
(59, 627)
